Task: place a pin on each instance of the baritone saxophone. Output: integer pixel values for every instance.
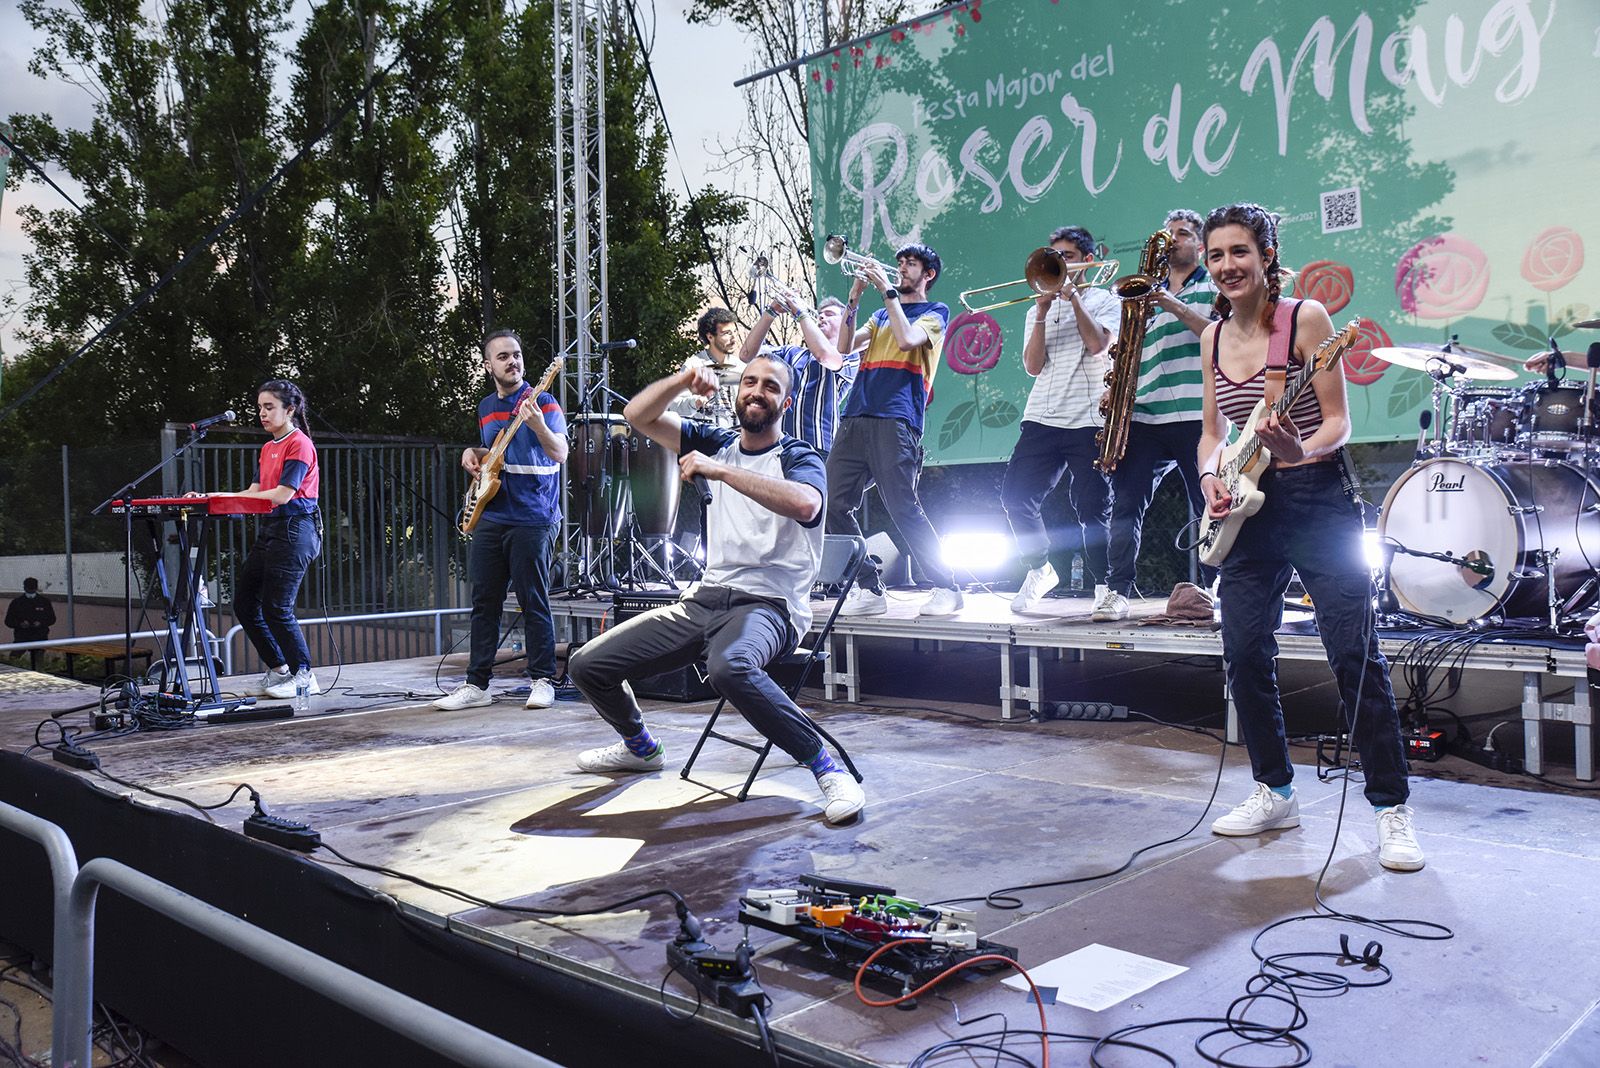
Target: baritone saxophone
(1137, 293)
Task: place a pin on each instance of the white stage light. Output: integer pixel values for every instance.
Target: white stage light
(1372, 547)
(977, 551)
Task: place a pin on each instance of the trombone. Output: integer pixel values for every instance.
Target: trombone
(834, 250)
(1046, 273)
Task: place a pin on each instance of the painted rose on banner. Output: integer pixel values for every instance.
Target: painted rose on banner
(1331, 283)
(972, 343)
(1553, 258)
(1361, 367)
(1442, 277)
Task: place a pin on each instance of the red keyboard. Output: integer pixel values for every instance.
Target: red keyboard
(216, 504)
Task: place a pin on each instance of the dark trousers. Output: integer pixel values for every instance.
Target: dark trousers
(502, 557)
(1308, 524)
(1154, 449)
(887, 452)
(737, 635)
(1044, 454)
(263, 603)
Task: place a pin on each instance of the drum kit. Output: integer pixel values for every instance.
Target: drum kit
(1499, 516)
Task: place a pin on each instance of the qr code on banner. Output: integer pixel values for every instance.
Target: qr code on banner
(1341, 210)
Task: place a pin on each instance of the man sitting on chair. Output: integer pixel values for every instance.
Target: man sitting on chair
(763, 548)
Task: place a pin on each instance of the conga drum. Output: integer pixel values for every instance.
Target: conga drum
(598, 440)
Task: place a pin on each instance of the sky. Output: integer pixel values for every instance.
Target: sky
(698, 107)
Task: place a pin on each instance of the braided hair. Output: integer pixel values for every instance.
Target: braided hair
(1263, 225)
(293, 400)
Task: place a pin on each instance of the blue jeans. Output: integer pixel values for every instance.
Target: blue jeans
(263, 603)
(737, 634)
(1154, 449)
(1309, 525)
(500, 557)
(1042, 455)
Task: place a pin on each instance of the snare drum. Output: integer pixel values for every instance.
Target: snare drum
(1485, 420)
(1499, 518)
(653, 479)
(592, 436)
(1552, 417)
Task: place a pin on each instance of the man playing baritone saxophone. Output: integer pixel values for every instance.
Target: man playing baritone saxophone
(1165, 430)
(880, 437)
(1065, 338)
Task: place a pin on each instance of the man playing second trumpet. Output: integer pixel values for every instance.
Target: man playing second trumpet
(1064, 348)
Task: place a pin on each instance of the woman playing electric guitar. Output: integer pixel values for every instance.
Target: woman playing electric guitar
(1308, 523)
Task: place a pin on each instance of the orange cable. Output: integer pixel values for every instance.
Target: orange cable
(1044, 1028)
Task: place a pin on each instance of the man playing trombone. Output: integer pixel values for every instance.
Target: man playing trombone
(1064, 348)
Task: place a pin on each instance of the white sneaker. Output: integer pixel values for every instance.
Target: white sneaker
(465, 696)
(618, 757)
(287, 684)
(942, 603)
(1263, 810)
(1110, 608)
(1039, 581)
(864, 602)
(1397, 840)
(270, 678)
(842, 796)
(542, 694)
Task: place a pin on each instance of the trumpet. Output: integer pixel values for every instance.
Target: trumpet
(834, 250)
(1046, 273)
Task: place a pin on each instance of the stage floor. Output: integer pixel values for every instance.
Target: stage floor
(960, 803)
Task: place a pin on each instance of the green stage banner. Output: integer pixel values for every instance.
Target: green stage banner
(1435, 166)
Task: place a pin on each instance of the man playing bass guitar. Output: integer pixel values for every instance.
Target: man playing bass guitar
(511, 542)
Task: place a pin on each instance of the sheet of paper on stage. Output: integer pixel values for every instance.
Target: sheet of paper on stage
(1097, 977)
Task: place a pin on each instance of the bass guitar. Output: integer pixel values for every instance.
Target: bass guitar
(1246, 459)
(483, 488)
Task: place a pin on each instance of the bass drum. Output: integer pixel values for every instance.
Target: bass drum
(1499, 517)
(592, 436)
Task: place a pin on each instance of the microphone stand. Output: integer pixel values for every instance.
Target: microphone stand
(125, 494)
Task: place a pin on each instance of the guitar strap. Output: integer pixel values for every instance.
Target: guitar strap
(1278, 350)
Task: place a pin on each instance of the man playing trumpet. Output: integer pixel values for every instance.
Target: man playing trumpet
(1065, 337)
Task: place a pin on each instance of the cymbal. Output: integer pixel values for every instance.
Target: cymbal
(1429, 359)
(1587, 324)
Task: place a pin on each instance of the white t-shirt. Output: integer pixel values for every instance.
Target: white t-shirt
(749, 547)
(1067, 391)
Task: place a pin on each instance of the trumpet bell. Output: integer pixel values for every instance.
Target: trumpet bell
(834, 248)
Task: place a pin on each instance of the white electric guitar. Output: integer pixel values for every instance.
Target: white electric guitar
(1246, 459)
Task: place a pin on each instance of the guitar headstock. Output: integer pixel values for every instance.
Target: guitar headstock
(547, 379)
(1335, 347)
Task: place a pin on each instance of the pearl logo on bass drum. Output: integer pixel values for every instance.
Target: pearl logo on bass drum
(1440, 484)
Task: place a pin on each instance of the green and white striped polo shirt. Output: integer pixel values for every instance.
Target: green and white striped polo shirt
(1170, 387)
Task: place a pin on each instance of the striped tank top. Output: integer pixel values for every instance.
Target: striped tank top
(1236, 400)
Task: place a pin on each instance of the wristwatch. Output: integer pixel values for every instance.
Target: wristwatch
(891, 294)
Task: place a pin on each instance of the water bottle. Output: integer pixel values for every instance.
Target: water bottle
(302, 691)
(1077, 571)
(516, 647)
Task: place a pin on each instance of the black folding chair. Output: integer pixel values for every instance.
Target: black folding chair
(842, 555)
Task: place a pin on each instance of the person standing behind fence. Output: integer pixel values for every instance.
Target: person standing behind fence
(290, 537)
(30, 618)
(510, 546)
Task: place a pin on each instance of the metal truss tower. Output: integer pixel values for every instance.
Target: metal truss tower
(582, 322)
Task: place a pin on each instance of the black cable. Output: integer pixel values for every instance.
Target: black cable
(500, 906)
(194, 251)
(694, 206)
(768, 1046)
(1004, 898)
(27, 161)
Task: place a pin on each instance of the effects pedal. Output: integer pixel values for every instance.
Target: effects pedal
(1425, 743)
(725, 979)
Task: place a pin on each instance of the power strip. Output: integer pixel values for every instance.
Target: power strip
(281, 832)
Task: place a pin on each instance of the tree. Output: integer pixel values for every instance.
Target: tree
(769, 158)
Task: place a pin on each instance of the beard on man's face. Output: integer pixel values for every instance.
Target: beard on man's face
(757, 416)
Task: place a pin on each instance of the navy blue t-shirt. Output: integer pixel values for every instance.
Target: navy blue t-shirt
(530, 483)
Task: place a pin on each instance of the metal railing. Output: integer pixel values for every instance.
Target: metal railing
(438, 614)
(75, 894)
